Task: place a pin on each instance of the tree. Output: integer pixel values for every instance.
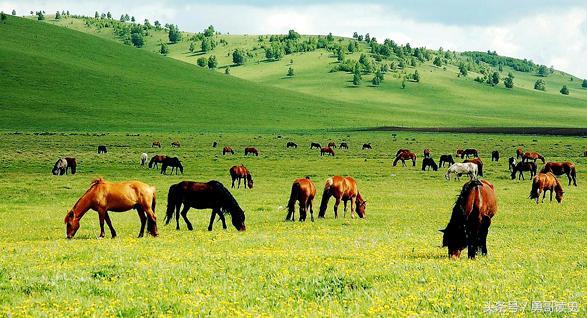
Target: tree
(157, 25)
(13, 12)
(212, 62)
(463, 70)
(437, 61)
(122, 18)
(109, 15)
(357, 75)
(208, 44)
(3, 16)
(174, 34)
(564, 90)
(416, 76)
(227, 71)
(96, 15)
(137, 39)
(376, 81)
(57, 15)
(494, 79)
(192, 47)
(404, 84)
(509, 81)
(238, 56)
(164, 49)
(330, 37)
(290, 72)
(584, 85)
(367, 38)
(543, 71)
(340, 54)
(40, 16)
(202, 62)
(540, 85)
(209, 31)
(132, 19)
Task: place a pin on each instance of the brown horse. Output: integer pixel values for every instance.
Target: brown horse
(546, 182)
(326, 150)
(557, 168)
(532, 156)
(303, 191)
(470, 219)
(241, 172)
(226, 150)
(156, 160)
(332, 144)
(520, 167)
(343, 145)
(479, 164)
(403, 156)
(175, 144)
(345, 189)
(71, 165)
(427, 153)
(251, 150)
(210, 195)
(156, 144)
(367, 146)
(519, 153)
(103, 196)
(467, 153)
(400, 151)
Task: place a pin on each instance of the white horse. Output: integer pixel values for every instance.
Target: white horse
(460, 169)
(144, 158)
(60, 167)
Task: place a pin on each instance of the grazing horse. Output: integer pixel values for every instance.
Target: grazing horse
(546, 182)
(291, 144)
(533, 156)
(241, 172)
(226, 150)
(560, 168)
(251, 150)
(400, 151)
(467, 153)
(403, 156)
(144, 158)
(332, 144)
(367, 146)
(198, 195)
(427, 153)
(172, 162)
(345, 189)
(523, 166)
(60, 167)
(103, 196)
(326, 150)
(495, 155)
(156, 160)
(519, 153)
(460, 169)
(214, 144)
(343, 145)
(303, 191)
(446, 159)
(479, 164)
(585, 153)
(71, 165)
(156, 144)
(470, 219)
(429, 162)
(175, 144)
(315, 145)
(512, 163)
(102, 149)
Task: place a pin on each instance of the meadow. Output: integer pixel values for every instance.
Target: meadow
(389, 264)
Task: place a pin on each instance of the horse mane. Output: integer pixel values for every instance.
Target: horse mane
(229, 202)
(458, 212)
(99, 180)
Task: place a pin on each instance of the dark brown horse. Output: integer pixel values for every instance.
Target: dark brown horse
(332, 144)
(175, 144)
(291, 144)
(467, 153)
(427, 153)
(470, 219)
(345, 189)
(557, 168)
(446, 159)
(519, 153)
(532, 156)
(241, 172)
(172, 162)
(326, 150)
(156, 160)
(156, 144)
(520, 167)
(343, 145)
(403, 156)
(367, 146)
(102, 149)
(198, 195)
(315, 145)
(400, 151)
(226, 150)
(214, 144)
(546, 182)
(71, 164)
(251, 150)
(479, 164)
(103, 196)
(428, 163)
(495, 155)
(302, 191)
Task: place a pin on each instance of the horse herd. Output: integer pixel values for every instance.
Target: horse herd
(467, 228)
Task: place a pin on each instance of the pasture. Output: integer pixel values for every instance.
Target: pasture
(388, 264)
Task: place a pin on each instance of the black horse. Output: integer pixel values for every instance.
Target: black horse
(315, 145)
(343, 145)
(291, 144)
(199, 195)
(524, 166)
(446, 159)
(102, 149)
(512, 163)
(172, 162)
(495, 155)
(427, 163)
(214, 144)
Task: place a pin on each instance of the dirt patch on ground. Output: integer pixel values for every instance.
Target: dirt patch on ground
(491, 130)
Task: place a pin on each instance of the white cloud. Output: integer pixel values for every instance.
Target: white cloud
(557, 37)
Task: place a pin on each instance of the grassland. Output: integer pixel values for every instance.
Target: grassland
(389, 264)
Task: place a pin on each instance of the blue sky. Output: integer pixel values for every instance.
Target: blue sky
(548, 32)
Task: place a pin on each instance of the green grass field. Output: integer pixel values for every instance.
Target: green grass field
(389, 264)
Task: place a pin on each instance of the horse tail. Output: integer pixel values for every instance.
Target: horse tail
(172, 200)
(291, 205)
(480, 169)
(325, 197)
(152, 223)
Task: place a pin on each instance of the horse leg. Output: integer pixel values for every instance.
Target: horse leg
(484, 232)
(544, 195)
(101, 214)
(336, 207)
(239, 182)
(212, 216)
(353, 202)
(551, 189)
(233, 181)
(344, 213)
(311, 211)
(143, 218)
(109, 223)
(221, 216)
(151, 221)
(184, 215)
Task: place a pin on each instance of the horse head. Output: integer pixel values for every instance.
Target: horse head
(71, 224)
(249, 180)
(361, 206)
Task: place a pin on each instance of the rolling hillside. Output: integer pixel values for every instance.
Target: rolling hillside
(62, 79)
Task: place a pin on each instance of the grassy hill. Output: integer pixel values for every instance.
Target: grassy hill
(61, 79)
